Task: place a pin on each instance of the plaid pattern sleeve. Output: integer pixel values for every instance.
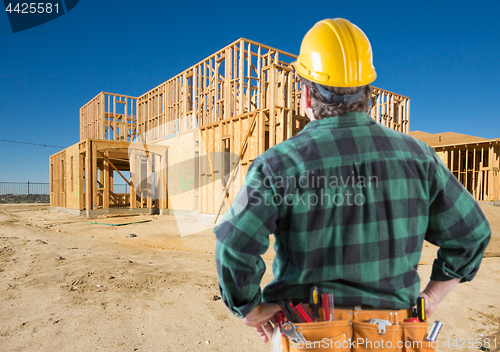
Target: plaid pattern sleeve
(243, 237)
(457, 225)
(350, 203)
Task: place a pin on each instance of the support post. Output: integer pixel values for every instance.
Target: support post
(88, 175)
(474, 193)
(272, 106)
(133, 198)
(106, 191)
(466, 183)
(95, 185)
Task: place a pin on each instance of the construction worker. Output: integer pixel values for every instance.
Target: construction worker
(349, 202)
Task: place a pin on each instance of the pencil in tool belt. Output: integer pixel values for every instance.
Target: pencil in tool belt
(421, 308)
(298, 318)
(328, 308)
(314, 301)
(302, 310)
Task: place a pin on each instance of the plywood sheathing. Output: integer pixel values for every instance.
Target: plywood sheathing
(65, 186)
(181, 171)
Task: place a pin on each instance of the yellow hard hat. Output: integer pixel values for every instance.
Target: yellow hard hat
(336, 53)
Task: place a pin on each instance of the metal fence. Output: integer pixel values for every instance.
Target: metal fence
(24, 188)
(32, 188)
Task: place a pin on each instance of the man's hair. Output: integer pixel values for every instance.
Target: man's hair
(323, 108)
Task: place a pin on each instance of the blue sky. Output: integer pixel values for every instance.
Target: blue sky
(444, 55)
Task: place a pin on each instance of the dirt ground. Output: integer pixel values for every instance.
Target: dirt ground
(69, 285)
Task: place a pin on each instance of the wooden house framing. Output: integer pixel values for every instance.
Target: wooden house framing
(188, 142)
(473, 160)
(476, 165)
(109, 116)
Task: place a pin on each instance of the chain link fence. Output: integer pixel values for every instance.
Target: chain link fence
(24, 188)
(34, 192)
(33, 188)
(24, 192)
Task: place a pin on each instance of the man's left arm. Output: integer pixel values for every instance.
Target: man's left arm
(458, 226)
(242, 239)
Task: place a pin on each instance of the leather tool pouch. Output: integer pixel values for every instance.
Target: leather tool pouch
(353, 333)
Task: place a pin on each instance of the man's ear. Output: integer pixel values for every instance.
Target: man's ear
(306, 102)
(307, 96)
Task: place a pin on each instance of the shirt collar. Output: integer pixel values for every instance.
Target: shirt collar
(349, 119)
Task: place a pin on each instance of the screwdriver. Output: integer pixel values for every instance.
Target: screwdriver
(314, 301)
(421, 308)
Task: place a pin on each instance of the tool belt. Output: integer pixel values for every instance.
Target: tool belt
(350, 331)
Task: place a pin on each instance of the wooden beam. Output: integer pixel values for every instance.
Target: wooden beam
(459, 164)
(249, 77)
(490, 173)
(149, 171)
(474, 193)
(227, 86)
(133, 196)
(106, 193)
(452, 160)
(289, 118)
(261, 133)
(241, 78)
(482, 173)
(466, 183)
(88, 176)
(102, 117)
(272, 106)
(496, 166)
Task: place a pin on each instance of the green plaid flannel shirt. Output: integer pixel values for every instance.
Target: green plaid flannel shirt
(350, 203)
